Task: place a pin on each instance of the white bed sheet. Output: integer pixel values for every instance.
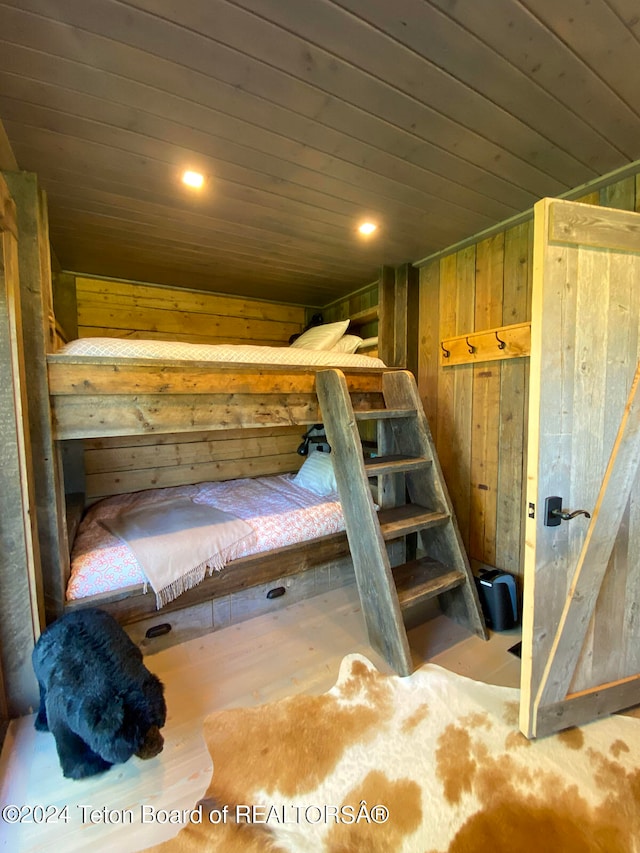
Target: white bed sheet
(232, 353)
(280, 512)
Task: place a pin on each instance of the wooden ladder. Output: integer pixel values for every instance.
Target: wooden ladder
(413, 498)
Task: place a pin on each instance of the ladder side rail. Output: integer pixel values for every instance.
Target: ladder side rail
(376, 586)
(444, 544)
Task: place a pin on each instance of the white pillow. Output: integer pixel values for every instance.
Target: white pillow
(369, 343)
(322, 337)
(316, 474)
(347, 343)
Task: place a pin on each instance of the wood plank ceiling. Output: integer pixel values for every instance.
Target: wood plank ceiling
(434, 119)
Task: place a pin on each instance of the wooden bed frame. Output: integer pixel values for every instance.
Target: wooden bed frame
(95, 397)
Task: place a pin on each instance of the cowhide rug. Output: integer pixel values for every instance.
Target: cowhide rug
(432, 762)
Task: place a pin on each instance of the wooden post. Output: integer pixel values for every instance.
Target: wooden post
(386, 316)
(398, 321)
(66, 305)
(20, 587)
(408, 282)
(7, 157)
(37, 339)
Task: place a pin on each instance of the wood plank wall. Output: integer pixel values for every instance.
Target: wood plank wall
(129, 464)
(361, 307)
(125, 309)
(132, 310)
(478, 412)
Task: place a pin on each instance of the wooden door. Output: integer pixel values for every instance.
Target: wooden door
(581, 609)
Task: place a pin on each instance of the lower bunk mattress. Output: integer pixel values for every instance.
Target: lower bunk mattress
(279, 511)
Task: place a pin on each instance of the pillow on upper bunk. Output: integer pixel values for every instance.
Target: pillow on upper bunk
(347, 343)
(317, 474)
(323, 337)
(368, 343)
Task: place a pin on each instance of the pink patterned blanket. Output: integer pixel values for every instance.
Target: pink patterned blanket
(280, 513)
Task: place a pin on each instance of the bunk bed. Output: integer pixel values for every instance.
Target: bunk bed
(105, 388)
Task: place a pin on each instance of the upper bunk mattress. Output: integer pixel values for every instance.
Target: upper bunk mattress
(279, 511)
(227, 353)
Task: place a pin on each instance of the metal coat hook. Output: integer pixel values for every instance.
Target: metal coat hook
(501, 344)
(445, 351)
(470, 346)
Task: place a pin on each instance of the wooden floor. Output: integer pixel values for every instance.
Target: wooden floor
(296, 650)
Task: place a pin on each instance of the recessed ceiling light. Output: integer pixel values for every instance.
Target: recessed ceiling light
(367, 228)
(193, 179)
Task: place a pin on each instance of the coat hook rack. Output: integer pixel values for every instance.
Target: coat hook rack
(486, 345)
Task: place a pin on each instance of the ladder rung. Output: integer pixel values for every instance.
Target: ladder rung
(377, 465)
(401, 520)
(382, 414)
(420, 580)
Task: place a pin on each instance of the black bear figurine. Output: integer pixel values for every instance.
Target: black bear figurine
(97, 697)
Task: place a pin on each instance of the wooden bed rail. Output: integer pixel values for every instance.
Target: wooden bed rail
(133, 604)
(100, 397)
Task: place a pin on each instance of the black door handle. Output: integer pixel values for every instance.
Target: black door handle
(554, 514)
(565, 515)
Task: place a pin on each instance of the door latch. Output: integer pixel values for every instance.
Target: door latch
(554, 514)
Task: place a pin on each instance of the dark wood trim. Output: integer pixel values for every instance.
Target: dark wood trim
(409, 276)
(386, 317)
(65, 305)
(8, 160)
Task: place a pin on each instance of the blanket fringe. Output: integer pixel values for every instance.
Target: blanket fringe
(196, 575)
